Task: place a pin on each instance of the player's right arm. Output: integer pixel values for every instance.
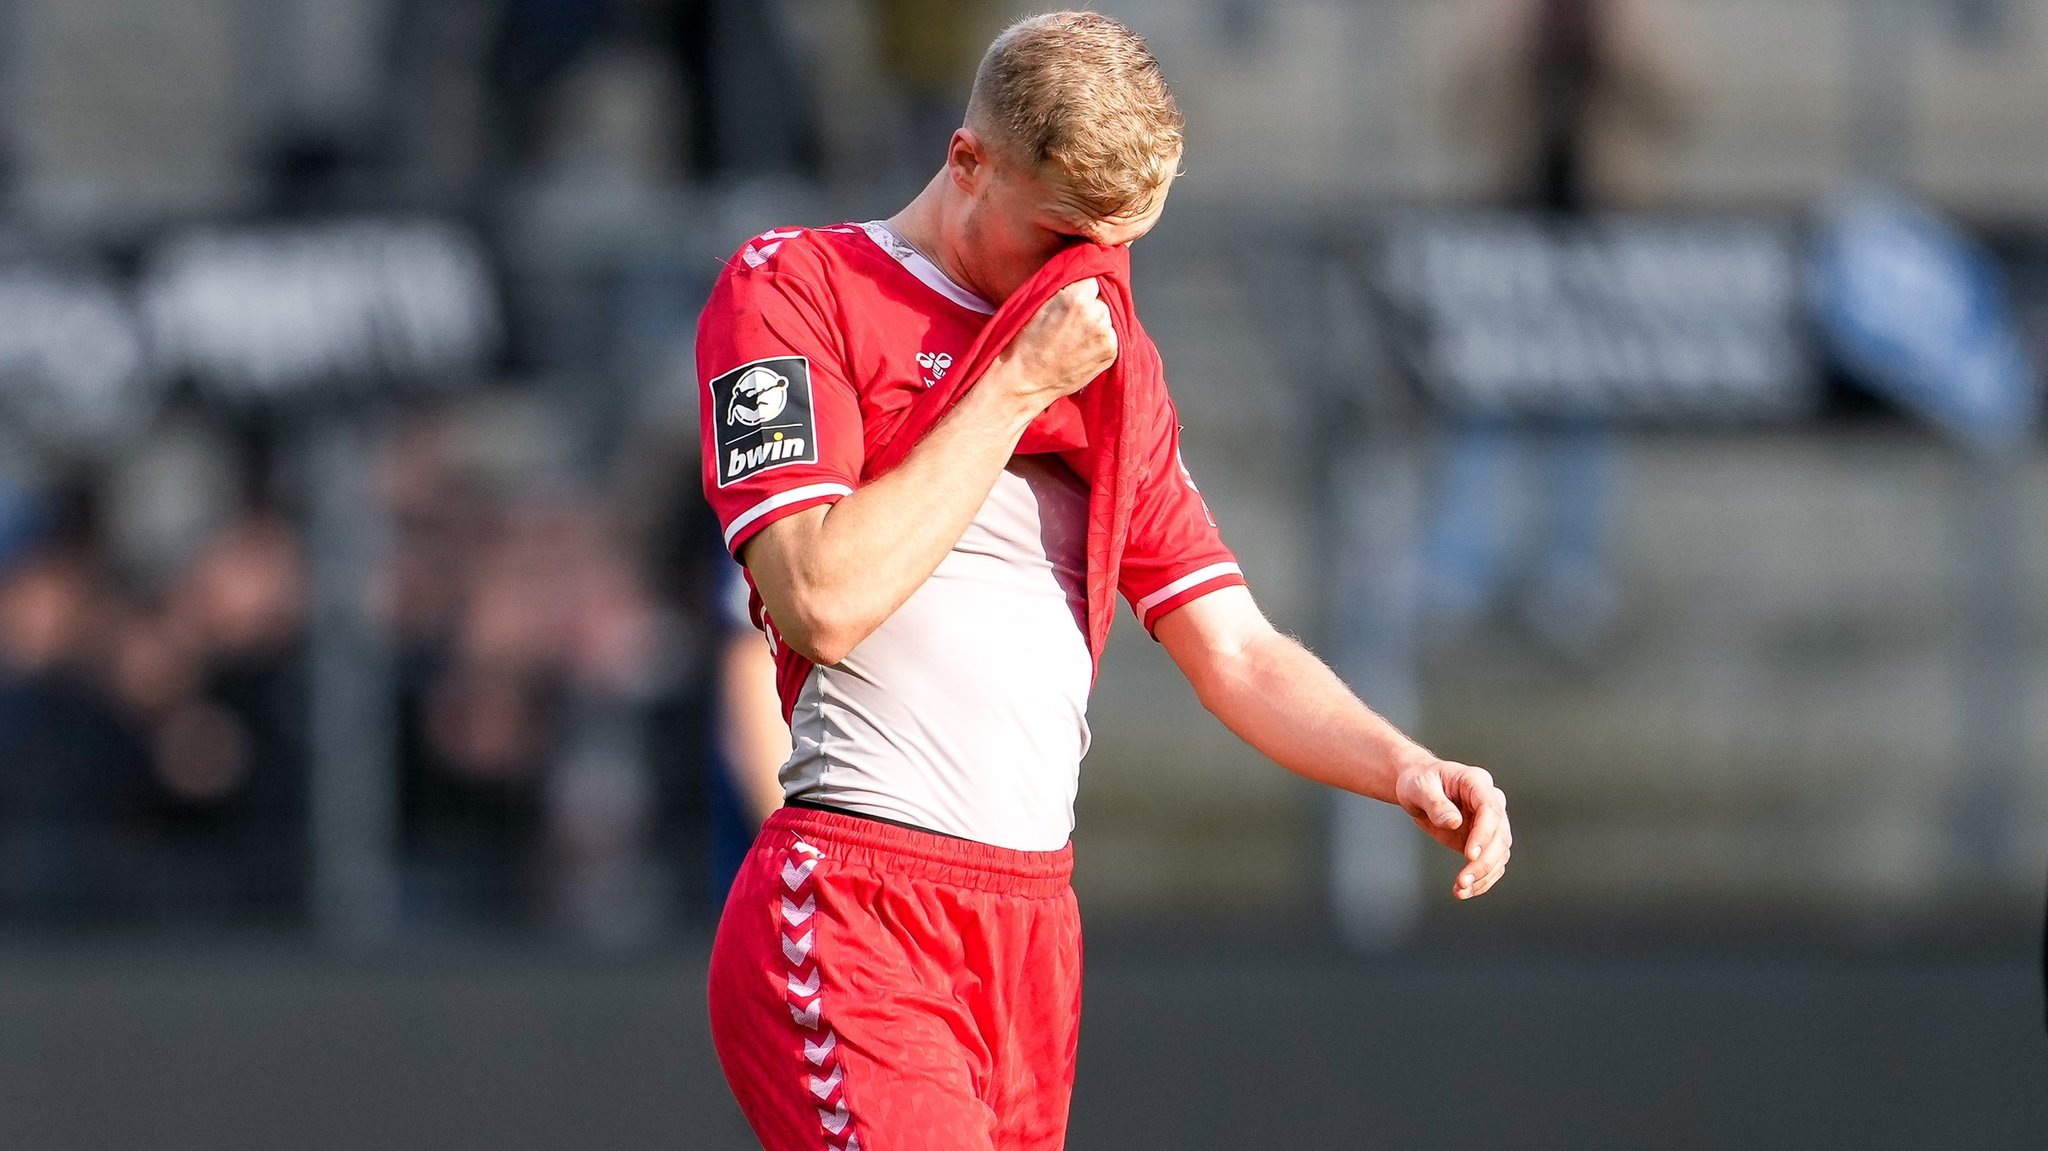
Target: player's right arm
(831, 573)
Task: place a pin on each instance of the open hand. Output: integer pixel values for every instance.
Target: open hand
(1458, 805)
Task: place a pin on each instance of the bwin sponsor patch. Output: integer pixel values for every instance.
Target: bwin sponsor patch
(764, 417)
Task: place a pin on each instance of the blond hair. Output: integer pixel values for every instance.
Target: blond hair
(1081, 95)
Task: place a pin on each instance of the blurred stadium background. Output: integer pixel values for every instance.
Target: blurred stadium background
(1649, 415)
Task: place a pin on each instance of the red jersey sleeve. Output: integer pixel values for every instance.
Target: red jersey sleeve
(1175, 554)
(780, 423)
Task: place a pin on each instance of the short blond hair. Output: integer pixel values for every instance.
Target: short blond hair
(1080, 94)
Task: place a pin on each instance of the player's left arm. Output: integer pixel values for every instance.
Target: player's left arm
(1278, 697)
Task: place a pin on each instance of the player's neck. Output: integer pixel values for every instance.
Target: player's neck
(923, 225)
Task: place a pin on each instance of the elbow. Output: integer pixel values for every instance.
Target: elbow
(1232, 673)
(822, 605)
(1218, 696)
(821, 632)
(824, 649)
(1212, 683)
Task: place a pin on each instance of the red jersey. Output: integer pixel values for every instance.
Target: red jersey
(813, 335)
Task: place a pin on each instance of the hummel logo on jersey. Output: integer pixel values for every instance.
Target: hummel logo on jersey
(936, 363)
(765, 419)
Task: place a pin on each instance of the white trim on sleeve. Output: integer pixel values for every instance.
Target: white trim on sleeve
(782, 500)
(1192, 579)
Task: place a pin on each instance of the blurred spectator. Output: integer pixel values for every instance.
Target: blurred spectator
(476, 697)
(213, 677)
(930, 49)
(746, 105)
(556, 697)
(562, 667)
(323, 97)
(719, 735)
(148, 734)
(1572, 102)
(72, 771)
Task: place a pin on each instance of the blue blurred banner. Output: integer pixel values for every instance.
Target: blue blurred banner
(1917, 312)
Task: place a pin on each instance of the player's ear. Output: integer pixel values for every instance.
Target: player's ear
(967, 160)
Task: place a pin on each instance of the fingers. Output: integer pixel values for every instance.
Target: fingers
(1082, 290)
(1489, 863)
(1488, 845)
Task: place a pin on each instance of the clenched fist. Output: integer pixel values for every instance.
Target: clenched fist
(1068, 343)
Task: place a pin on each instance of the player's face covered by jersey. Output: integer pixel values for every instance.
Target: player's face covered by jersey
(1018, 217)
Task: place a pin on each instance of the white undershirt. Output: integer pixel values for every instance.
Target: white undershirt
(966, 711)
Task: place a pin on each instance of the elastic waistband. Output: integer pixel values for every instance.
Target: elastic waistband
(887, 847)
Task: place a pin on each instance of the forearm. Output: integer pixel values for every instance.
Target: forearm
(1277, 696)
(1282, 700)
(751, 731)
(831, 578)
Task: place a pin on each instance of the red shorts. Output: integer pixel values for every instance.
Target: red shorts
(879, 988)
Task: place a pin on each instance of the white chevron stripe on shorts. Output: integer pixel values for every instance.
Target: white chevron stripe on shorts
(822, 1075)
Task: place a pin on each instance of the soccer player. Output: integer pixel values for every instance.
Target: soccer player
(898, 966)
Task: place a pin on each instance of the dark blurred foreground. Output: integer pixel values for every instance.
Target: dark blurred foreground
(1190, 1043)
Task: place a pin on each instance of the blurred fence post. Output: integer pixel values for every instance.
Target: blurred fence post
(1879, 61)
(354, 784)
(1984, 821)
(1367, 501)
(1373, 507)
(1371, 595)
